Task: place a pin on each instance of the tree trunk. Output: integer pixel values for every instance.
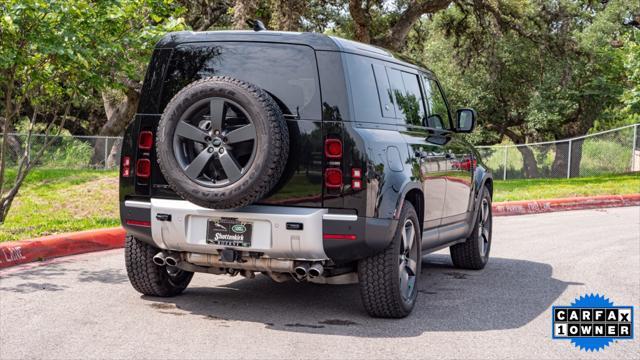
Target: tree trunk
(529, 163)
(287, 14)
(243, 10)
(396, 37)
(361, 19)
(119, 115)
(113, 158)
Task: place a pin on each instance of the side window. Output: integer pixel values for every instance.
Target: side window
(406, 91)
(363, 90)
(438, 113)
(413, 105)
(397, 88)
(384, 91)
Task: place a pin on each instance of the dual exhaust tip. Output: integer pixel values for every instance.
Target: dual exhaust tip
(303, 270)
(314, 270)
(163, 258)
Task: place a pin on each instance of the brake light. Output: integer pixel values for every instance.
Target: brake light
(126, 166)
(143, 168)
(333, 148)
(145, 140)
(333, 178)
(339, 237)
(139, 223)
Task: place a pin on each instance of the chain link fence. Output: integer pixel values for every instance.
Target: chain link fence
(610, 152)
(614, 151)
(68, 152)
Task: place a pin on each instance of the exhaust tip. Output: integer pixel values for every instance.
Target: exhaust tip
(159, 259)
(171, 261)
(316, 270)
(301, 270)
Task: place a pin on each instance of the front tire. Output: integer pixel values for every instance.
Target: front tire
(388, 280)
(473, 254)
(147, 277)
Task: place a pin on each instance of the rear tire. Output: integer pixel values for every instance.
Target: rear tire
(382, 276)
(149, 278)
(473, 254)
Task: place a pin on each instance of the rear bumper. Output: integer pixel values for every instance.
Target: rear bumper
(186, 230)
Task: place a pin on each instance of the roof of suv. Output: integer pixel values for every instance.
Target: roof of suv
(315, 40)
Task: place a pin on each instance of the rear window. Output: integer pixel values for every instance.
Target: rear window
(288, 72)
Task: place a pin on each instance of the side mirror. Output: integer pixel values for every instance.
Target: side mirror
(435, 121)
(465, 120)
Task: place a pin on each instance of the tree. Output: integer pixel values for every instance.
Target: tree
(287, 14)
(54, 56)
(243, 10)
(201, 15)
(541, 71)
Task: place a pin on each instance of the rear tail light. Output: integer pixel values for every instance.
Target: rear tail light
(333, 178)
(139, 223)
(143, 168)
(356, 179)
(126, 166)
(339, 237)
(333, 148)
(145, 140)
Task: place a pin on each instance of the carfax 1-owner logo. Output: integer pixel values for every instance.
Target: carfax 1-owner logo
(592, 322)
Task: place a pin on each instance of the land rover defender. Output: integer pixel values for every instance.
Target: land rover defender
(299, 156)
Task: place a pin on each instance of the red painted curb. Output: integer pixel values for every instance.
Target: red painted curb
(24, 251)
(577, 203)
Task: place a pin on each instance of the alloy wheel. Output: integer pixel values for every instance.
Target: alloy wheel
(215, 142)
(408, 261)
(484, 228)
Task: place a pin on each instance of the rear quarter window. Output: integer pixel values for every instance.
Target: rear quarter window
(364, 92)
(288, 72)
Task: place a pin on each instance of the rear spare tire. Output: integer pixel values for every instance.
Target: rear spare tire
(222, 143)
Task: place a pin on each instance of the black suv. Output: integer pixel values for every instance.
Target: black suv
(298, 156)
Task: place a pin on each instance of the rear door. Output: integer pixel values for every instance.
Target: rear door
(458, 157)
(428, 159)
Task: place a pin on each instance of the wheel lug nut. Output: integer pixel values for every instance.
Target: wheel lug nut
(210, 150)
(221, 150)
(216, 132)
(207, 139)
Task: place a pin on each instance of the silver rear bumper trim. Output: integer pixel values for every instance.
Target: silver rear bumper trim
(340, 217)
(137, 204)
(188, 228)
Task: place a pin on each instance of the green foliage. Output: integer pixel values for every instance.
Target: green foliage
(548, 72)
(65, 49)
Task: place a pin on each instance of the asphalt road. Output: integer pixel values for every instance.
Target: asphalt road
(83, 306)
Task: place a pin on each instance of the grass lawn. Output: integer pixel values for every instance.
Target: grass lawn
(512, 190)
(56, 201)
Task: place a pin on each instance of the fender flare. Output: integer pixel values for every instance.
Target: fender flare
(481, 176)
(407, 186)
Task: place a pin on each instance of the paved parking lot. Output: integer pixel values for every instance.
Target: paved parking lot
(83, 306)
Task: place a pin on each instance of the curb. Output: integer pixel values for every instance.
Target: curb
(508, 208)
(24, 251)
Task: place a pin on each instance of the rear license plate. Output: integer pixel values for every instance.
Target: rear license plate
(229, 232)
